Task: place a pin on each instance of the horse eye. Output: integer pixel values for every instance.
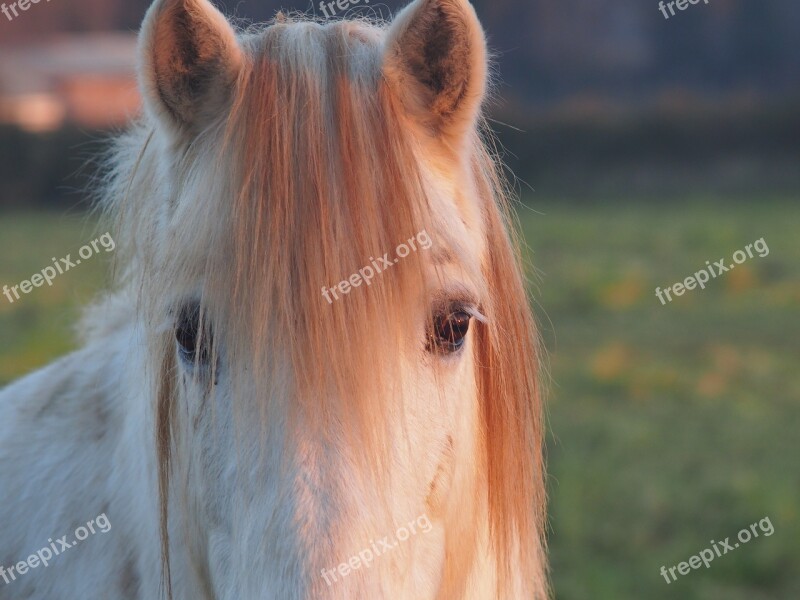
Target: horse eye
(193, 342)
(449, 332)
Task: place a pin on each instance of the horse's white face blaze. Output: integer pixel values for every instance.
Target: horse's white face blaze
(281, 530)
(270, 504)
(278, 529)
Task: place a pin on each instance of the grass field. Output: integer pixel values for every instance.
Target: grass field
(670, 425)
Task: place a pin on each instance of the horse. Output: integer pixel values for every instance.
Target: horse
(243, 435)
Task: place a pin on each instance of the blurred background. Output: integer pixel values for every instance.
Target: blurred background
(641, 147)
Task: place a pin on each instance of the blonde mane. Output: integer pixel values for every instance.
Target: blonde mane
(313, 174)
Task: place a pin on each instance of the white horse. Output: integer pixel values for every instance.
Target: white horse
(243, 436)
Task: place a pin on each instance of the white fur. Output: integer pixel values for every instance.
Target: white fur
(77, 440)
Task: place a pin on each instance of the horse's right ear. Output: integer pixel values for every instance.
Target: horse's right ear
(435, 59)
(189, 59)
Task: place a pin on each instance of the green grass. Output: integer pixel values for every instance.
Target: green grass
(670, 426)
(38, 327)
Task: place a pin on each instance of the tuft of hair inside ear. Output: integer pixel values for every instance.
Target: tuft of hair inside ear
(441, 59)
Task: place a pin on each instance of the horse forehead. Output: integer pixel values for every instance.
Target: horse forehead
(455, 201)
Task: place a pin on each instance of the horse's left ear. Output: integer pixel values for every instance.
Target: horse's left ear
(189, 59)
(436, 61)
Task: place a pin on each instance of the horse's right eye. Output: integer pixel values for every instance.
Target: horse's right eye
(449, 332)
(194, 339)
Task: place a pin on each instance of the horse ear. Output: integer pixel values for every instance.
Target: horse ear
(436, 61)
(189, 59)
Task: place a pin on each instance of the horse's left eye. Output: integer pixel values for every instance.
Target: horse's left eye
(194, 339)
(449, 332)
